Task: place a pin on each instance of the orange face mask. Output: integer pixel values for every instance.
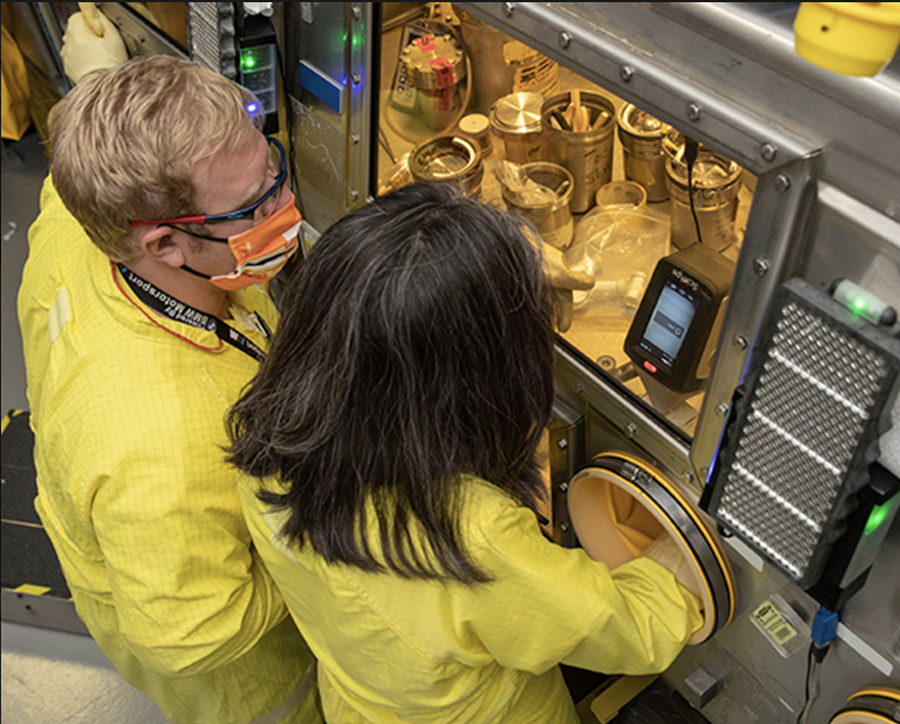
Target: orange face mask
(262, 251)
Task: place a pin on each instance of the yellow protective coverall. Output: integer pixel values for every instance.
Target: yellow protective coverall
(391, 649)
(128, 412)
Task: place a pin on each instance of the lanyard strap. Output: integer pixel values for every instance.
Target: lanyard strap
(179, 311)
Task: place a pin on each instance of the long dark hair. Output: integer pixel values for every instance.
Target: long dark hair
(416, 346)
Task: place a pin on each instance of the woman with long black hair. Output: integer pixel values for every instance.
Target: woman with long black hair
(391, 489)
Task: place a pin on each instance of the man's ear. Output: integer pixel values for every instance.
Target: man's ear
(158, 245)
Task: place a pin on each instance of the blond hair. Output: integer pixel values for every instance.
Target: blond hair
(126, 144)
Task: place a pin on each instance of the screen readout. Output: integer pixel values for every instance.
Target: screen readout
(669, 322)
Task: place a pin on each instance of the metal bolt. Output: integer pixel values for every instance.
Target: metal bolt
(354, 195)
(688, 475)
(142, 38)
(626, 73)
(694, 111)
(357, 79)
(562, 444)
(356, 12)
(354, 138)
(563, 487)
(739, 341)
(565, 40)
(768, 151)
(564, 527)
(704, 472)
(119, 22)
(508, 8)
(630, 430)
(782, 183)
(761, 266)
(579, 388)
(722, 409)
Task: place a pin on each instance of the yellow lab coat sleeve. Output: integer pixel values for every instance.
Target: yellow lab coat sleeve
(569, 608)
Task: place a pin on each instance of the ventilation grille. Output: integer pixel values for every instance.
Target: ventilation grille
(803, 430)
(211, 37)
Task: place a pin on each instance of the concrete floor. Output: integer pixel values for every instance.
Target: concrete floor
(48, 677)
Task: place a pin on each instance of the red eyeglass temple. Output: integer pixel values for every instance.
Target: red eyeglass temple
(180, 220)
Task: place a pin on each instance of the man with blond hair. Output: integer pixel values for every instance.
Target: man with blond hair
(144, 315)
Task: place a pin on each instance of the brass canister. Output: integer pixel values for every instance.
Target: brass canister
(453, 157)
(502, 65)
(516, 120)
(435, 64)
(641, 136)
(587, 155)
(716, 183)
(549, 211)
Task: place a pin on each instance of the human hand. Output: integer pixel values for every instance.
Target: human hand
(92, 42)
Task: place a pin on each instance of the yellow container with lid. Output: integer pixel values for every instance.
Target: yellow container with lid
(849, 38)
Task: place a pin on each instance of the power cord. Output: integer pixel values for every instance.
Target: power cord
(824, 629)
(691, 150)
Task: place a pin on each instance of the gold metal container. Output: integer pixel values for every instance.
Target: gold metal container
(549, 212)
(435, 65)
(587, 155)
(716, 184)
(641, 136)
(454, 157)
(502, 65)
(516, 120)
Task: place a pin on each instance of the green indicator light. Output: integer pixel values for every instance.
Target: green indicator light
(876, 517)
(248, 62)
(863, 304)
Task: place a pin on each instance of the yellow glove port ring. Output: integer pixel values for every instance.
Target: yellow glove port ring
(875, 705)
(609, 534)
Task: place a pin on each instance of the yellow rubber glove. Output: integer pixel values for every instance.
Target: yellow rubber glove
(564, 281)
(92, 42)
(666, 552)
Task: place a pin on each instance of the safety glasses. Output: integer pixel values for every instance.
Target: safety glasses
(277, 165)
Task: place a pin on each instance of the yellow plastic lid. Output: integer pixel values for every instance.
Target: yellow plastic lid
(850, 38)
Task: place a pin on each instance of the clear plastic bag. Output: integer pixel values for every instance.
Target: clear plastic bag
(620, 249)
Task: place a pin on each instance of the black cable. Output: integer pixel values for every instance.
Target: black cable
(814, 658)
(691, 150)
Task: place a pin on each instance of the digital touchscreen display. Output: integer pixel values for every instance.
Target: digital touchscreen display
(669, 322)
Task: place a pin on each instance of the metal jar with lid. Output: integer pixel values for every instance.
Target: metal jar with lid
(587, 155)
(435, 65)
(502, 65)
(454, 157)
(516, 120)
(548, 210)
(716, 183)
(641, 136)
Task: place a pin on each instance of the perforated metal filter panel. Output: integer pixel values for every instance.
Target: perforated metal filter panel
(211, 36)
(801, 435)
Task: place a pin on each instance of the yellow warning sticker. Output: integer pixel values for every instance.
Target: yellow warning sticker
(773, 623)
(31, 589)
